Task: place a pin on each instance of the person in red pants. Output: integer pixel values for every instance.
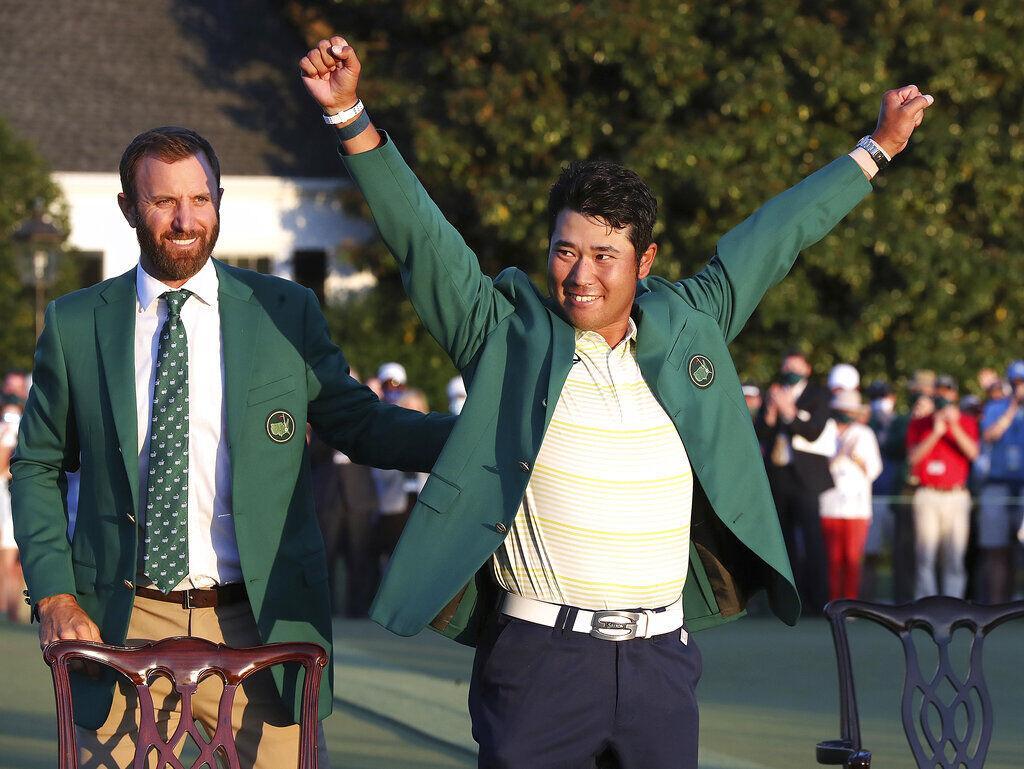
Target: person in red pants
(846, 508)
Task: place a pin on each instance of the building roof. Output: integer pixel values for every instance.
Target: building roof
(80, 78)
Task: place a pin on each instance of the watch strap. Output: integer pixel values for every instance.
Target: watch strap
(877, 154)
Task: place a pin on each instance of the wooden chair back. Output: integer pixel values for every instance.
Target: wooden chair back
(186, 662)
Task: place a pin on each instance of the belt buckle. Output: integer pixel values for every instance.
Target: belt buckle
(188, 599)
(614, 625)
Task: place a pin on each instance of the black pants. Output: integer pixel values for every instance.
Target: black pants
(542, 698)
(799, 515)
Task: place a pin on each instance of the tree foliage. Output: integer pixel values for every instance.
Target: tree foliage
(25, 186)
(719, 106)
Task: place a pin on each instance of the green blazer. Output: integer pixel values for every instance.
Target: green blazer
(82, 413)
(515, 352)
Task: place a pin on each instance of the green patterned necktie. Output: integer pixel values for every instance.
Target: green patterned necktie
(167, 498)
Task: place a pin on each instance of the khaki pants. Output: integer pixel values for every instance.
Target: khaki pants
(942, 526)
(265, 736)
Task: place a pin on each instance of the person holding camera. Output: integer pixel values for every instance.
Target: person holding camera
(940, 449)
(999, 513)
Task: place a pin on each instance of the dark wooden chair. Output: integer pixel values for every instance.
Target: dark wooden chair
(186, 661)
(944, 747)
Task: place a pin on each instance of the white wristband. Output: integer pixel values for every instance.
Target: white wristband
(345, 115)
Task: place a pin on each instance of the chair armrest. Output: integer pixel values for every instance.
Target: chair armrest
(842, 753)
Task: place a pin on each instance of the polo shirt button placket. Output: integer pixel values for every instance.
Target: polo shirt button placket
(524, 466)
(500, 527)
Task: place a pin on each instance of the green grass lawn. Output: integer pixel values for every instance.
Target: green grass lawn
(767, 696)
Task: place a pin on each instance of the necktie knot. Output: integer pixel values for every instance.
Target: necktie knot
(175, 300)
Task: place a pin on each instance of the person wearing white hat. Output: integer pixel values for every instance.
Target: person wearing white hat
(393, 379)
(846, 507)
(843, 376)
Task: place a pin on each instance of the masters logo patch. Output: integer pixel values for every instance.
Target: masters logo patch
(280, 426)
(702, 371)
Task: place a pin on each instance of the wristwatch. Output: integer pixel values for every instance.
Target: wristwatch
(875, 151)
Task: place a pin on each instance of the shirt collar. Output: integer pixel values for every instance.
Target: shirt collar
(204, 284)
(590, 338)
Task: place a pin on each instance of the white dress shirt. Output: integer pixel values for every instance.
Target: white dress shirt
(212, 548)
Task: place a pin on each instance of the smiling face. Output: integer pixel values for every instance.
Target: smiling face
(592, 273)
(175, 214)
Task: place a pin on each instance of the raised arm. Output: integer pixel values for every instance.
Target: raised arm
(457, 303)
(759, 252)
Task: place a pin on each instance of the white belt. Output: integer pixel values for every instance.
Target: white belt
(608, 625)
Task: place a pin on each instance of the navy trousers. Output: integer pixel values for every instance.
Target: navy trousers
(544, 698)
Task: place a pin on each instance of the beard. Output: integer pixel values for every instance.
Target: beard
(167, 262)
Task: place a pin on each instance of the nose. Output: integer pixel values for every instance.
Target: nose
(582, 273)
(184, 217)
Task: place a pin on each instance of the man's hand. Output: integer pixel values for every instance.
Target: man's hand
(330, 73)
(902, 111)
(62, 619)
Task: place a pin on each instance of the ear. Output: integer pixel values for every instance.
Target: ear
(127, 208)
(646, 261)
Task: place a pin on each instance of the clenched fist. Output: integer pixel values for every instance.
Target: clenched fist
(902, 111)
(330, 73)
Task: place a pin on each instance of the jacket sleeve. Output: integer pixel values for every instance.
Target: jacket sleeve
(47, 450)
(348, 416)
(758, 253)
(457, 303)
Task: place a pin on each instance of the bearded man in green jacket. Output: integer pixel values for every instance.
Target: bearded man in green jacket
(603, 483)
(181, 391)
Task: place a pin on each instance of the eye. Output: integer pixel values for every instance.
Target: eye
(201, 200)
(163, 202)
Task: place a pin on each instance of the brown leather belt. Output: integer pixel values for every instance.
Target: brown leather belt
(195, 598)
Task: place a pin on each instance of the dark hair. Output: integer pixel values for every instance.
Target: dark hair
(169, 143)
(607, 191)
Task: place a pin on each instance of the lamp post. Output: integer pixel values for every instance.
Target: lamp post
(37, 248)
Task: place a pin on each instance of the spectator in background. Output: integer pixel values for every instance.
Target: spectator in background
(11, 581)
(456, 394)
(889, 483)
(904, 541)
(397, 490)
(988, 378)
(392, 379)
(999, 508)
(843, 376)
(940, 449)
(17, 384)
(846, 507)
(752, 397)
(796, 428)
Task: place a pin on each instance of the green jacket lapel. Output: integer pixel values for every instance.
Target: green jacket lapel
(661, 339)
(563, 346)
(240, 317)
(115, 332)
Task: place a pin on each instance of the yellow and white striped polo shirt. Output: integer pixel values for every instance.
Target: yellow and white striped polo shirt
(605, 521)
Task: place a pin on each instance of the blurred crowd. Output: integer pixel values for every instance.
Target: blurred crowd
(13, 394)
(893, 496)
(882, 495)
